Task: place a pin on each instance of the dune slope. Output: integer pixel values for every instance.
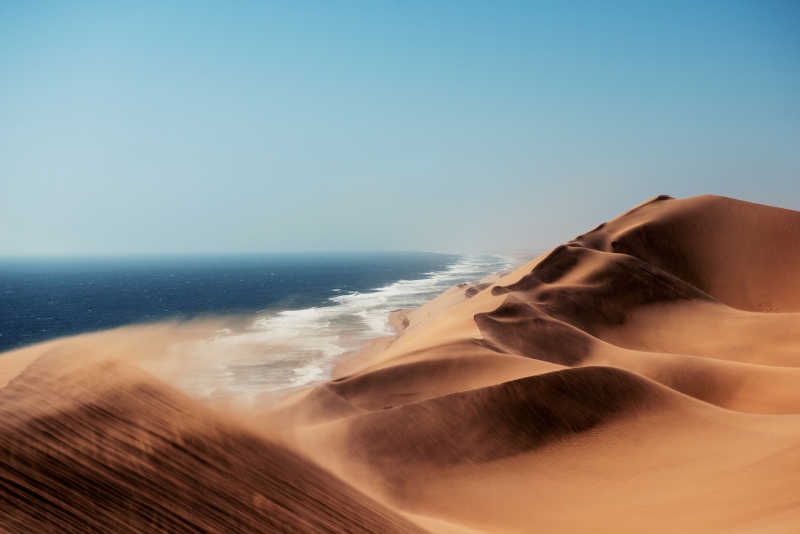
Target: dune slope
(106, 448)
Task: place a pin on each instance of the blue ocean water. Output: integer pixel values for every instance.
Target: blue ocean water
(300, 311)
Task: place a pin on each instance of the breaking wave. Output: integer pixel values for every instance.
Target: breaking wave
(280, 350)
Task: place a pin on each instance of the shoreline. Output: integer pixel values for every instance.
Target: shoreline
(266, 338)
(401, 320)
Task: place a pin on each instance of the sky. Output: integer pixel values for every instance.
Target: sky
(228, 127)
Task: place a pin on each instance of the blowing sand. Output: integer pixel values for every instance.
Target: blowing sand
(643, 377)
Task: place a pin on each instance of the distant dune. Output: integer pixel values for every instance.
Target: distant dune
(643, 377)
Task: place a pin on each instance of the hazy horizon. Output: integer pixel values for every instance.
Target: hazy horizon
(202, 129)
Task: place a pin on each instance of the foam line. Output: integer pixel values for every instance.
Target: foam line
(286, 349)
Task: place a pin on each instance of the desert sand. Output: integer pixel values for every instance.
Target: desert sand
(643, 377)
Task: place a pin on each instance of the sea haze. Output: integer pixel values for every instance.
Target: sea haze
(295, 313)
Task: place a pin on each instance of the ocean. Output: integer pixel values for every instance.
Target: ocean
(294, 314)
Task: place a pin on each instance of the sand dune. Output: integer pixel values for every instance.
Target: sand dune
(653, 342)
(743, 254)
(644, 376)
(107, 448)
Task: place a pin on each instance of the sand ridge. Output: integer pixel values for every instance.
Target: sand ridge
(640, 346)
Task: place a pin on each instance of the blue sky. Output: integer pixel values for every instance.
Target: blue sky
(181, 127)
